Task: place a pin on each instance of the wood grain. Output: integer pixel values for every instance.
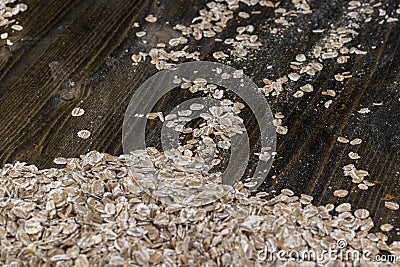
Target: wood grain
(77, 53)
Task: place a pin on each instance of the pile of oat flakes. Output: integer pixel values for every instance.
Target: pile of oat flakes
(92, 213)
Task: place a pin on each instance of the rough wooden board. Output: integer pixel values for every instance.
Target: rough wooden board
(83, 48)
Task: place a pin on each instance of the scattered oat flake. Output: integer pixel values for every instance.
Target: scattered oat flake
(308, 88)
(153, 222)
(174, 42)
(279, 115)
(342, 139)
(84, 134)
(342, 59)
(387, 227)
(151, 18)
(340, 193)
(136, 58)
(328, 103)
(329, 55)
(329, 93)
(330, 207)
(294, 76)
(354, 155)
(361, 214)
(298, 94)
(364, 111)
(277, 122)
(196, 106)
(344, 207)
(301, 57)
(185, 112)
(355, 141)
(77, 112)
(141, 34)
(362, 186)
(8, 18)
(339, 77)
(225, 76)
(244, 15)
(219, 55)
(109, 208)
(60, 160)
(17, 27)
(282, 130)
(238, 74)
(264, 156)
(287, 192)
(155, 115)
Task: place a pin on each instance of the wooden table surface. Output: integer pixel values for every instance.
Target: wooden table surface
(77, 53)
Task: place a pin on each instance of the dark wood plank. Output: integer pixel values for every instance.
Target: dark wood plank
(77, 53)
